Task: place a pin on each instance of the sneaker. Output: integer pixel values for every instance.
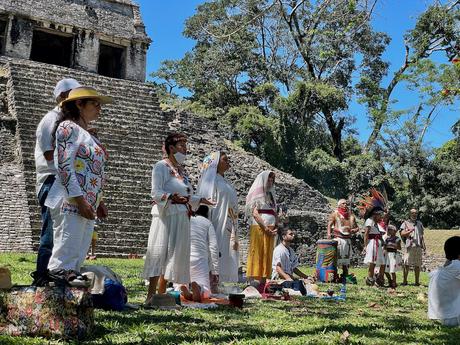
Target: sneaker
(75, 279)
(58, 277)
(80, 281)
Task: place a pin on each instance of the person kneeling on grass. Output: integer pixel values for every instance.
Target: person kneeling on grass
(285, 262)
(444, 287)
(204, 257)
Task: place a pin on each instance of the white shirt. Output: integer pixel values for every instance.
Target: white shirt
(269, 219)
(444, 292)
(203, 243)
(165, 182)
(44, 142)
(373, 225)
(286, 258)
(415, 237)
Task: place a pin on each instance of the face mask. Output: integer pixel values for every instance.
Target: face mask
(180, 157)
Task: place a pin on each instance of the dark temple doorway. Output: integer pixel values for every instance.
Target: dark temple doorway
(111, 61)
(52, 49)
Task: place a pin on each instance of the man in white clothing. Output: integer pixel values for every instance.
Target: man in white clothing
(412, 234)
(285, 261)
(204, 256)
(444, 287)
(46, 171)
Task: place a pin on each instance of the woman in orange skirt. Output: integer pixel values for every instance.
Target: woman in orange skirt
(261, 208)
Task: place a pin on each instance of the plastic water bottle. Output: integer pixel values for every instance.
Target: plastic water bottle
(343, 292)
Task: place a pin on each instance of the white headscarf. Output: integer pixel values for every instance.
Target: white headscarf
(257, 195)
(207, 180)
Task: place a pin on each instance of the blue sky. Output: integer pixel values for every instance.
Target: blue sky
(164, 21)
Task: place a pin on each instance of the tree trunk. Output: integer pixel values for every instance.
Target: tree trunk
(336, 133)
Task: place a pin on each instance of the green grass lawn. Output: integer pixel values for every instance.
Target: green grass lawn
(435, 239)
(370, 315)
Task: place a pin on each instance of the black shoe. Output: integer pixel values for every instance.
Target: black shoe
(58, 277)
(40, 279)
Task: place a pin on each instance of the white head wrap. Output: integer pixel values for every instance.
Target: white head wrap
(257, 194)
(207, 180)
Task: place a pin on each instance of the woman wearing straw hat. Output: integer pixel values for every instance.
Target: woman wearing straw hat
(80, 160)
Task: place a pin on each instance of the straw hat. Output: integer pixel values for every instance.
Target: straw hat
(5, 278)
(85, 92)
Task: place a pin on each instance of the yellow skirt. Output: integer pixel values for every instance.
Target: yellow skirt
(260, 253)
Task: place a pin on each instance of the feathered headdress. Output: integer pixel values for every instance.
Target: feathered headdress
(374, 201)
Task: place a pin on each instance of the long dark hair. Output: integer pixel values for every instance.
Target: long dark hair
(69, 111)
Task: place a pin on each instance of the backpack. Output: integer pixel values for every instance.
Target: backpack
(113, 298)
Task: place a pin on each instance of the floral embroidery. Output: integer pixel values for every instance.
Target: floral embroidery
(47, 311)
(80, 161)
(98, 151)
(79, 165)
(96, 167)
(93, 182)
(83, 152)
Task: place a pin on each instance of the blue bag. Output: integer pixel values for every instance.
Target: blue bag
(113, 298)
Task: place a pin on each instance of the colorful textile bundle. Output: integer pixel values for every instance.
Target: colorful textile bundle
(47, 312)
(368, 204)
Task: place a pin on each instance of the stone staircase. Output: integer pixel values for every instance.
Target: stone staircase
(133, 128)
(15, 229)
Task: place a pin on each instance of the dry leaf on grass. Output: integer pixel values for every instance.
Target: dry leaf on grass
(374, 305)
(344, 337)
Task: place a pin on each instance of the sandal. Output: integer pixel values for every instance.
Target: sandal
(369, 281)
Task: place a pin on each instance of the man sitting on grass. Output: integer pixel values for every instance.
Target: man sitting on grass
(285, 262)
(444, 287)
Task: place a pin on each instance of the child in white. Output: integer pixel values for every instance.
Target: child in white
(392, 256)
(444, 287)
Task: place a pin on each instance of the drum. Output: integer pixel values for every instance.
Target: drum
(326, 260)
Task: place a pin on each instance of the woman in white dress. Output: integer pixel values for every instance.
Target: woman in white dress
(224, 216)
(168, 249)
(373, 244)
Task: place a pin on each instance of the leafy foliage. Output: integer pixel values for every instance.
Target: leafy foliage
(281, 75)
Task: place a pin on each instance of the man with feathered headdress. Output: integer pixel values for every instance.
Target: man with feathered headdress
(342, 224)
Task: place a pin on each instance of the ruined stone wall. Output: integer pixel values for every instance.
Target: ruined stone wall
(112, 18)
(15, 229)
(89, 22)
(133, 129)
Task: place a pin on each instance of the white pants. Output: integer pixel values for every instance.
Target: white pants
(72, 238)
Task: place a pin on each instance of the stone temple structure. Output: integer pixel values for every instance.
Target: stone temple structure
(103, 44)
(106, 37)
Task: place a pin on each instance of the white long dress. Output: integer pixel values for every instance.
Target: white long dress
(374, 249)
(204, 251)
(224, 218)
(168, 248)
